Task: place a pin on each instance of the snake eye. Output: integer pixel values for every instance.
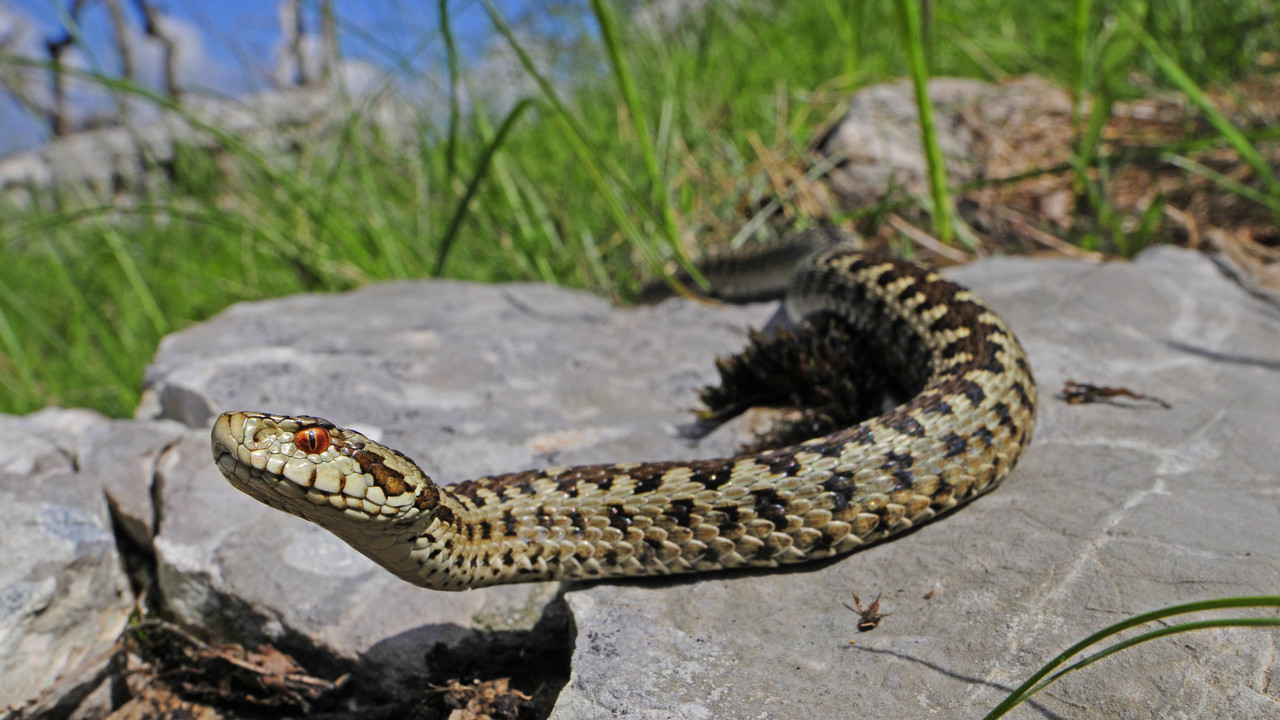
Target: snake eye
(312, 440)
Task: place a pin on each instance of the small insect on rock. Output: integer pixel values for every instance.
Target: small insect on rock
(869, 618)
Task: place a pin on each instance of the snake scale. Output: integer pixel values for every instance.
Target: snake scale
(959, 435)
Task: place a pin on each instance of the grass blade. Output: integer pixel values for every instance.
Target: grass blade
(548, 92)
(477, 175)
(142, 293)
(451, 62)
(1148, 636)
(1201, 101)
(913, 34)
(622, 76)
(1227, 183)
(590, 161)
(1083, 12)
(1024, 690)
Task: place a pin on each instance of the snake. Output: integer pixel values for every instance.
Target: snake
(970, 416)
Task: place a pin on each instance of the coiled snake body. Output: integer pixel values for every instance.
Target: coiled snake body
(959, 435)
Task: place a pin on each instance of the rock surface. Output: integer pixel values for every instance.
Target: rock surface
(466, 379)
(1115, 510)
(63, 594)
(123, 455)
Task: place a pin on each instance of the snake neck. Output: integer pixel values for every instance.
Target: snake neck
(409, 547)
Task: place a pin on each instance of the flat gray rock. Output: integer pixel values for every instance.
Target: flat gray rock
(468, 380)
(1116, 509)
(63, 594)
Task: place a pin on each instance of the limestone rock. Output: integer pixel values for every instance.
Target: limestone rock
(48, 438)
(63, 594)
(122, 454)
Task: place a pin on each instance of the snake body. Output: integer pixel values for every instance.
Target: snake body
(961, 433)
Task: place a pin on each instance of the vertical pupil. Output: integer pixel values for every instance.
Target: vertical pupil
(312, 440)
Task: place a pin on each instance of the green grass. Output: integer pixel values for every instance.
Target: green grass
(1046, 675)
(633, 147)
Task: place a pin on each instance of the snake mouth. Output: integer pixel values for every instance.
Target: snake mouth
(224, 444)
(254, 453)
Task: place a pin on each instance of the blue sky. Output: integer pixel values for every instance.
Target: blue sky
(230, 46)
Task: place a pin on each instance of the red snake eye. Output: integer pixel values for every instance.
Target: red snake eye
(312, 440)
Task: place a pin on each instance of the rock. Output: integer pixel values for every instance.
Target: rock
(1116, 509)
(63, 594)
(979, 127)
(468, 380)
(104, 160)
(122, 454)
(56, 430)
(28, 452)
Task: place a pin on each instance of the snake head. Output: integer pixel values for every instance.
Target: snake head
(316, 470)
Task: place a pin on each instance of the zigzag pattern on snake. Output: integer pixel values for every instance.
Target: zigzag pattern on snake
(961, 433)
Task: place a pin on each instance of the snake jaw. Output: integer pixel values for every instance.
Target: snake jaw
(279, 461)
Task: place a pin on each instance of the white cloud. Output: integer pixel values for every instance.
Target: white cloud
(192, 65)
(497, 79)
(18, 33)
(358, 77)
(194, 68)
(20, 38)
(19, 128)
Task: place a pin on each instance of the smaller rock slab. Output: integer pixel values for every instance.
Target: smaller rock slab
(64, 597)
(978, 125)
